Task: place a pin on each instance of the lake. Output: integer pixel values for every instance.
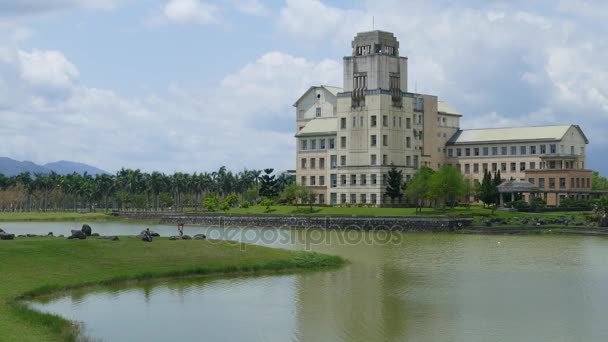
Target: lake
(397, 287)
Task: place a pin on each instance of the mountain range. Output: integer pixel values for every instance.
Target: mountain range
(11, 167)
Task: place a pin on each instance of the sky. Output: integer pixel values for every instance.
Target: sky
(191, 85)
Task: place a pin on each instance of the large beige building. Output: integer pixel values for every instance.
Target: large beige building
(347, 138)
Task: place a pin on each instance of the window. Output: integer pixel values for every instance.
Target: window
(353, 179)
(343, 198)
(313, 144)
(374, 179)
(394, 121)
(485, 151)
(553, 148)
(400, 126)
(408, 123)
(531, 180)
(385, 140)
(313, 180)
(384, 179)
(408, 142)
(303, 180)
(354, 121)
(343, 179)
(363, 179)
(476, 168)
(313, 163)
(551, 183)
(450, 152)
(304, 145)
(342, 160)
(458, 152)
(321, 163)
(373, 121)
(361, 121)
(552, 164)
(318, 112)
(494, 151)
(543, 149)
(532, 165)
(334, 180)
(385, 120)
(333, 160)
(494, 167)
(342, 142)
(303, 164)
(532, 149)
(571, 149)
(332, 144)
(562, 183)
(372, 159)
(467, 168)
(363, 198)
(321, 199)
(503, 150)
(522, 166)
(343, 123)
(322, 144)
(321, 180)
(513, 167)
(513, 150)
(353, 198)
(408, 161)
(503, 167)
(384, 159)
(373, 198)
(476, 151)
(541, 183)
(467, 152)
(522, 150)
(372, 140)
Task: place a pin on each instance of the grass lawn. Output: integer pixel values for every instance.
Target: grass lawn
(62, 216)
(40, 265)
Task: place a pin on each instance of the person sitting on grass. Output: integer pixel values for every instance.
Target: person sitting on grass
(147, 236)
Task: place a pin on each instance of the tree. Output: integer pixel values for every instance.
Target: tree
(266, 202)
(290, 194)
(165, 200)
(446, 185)
(417, 188)
(268, 188)
(598, 182)
(211, 202)
(600, 212)
(486, 191)
(306, 195)
(395, 183)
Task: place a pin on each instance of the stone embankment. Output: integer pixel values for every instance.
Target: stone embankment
(402, 224)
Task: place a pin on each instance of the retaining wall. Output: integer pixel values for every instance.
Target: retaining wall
(403, 224)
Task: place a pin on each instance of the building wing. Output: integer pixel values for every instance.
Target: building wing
(509, 134)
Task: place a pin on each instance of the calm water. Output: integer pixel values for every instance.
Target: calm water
(399, 287)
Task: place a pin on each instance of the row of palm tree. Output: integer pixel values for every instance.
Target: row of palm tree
(127, 189)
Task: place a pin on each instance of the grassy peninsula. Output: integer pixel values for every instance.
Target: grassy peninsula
(37, 266)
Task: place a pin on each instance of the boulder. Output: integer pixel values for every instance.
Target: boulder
(2, 231)
(173, 237)
(31, 235)
(50, 234)
(152, 233)
(200, 237)
(61, 235)
(5, 236)
(78, 234)
(186, 237)
(111, 238)
(86, 229)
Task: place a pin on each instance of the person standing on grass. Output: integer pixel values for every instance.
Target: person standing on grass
(180, 229)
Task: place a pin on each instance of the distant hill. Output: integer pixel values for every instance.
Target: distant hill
(64, 167)
(11, 167)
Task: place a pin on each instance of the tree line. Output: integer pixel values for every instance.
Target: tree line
(135, 190)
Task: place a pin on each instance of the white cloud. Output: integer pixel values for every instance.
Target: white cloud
(47, 69)
(251, 7)
(24, 8)
(191, 12)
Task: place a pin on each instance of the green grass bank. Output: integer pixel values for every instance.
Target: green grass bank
(37, 266)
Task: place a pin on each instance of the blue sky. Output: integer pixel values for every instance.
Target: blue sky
(190, 85)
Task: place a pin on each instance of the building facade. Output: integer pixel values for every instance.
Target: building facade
(347, 138)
